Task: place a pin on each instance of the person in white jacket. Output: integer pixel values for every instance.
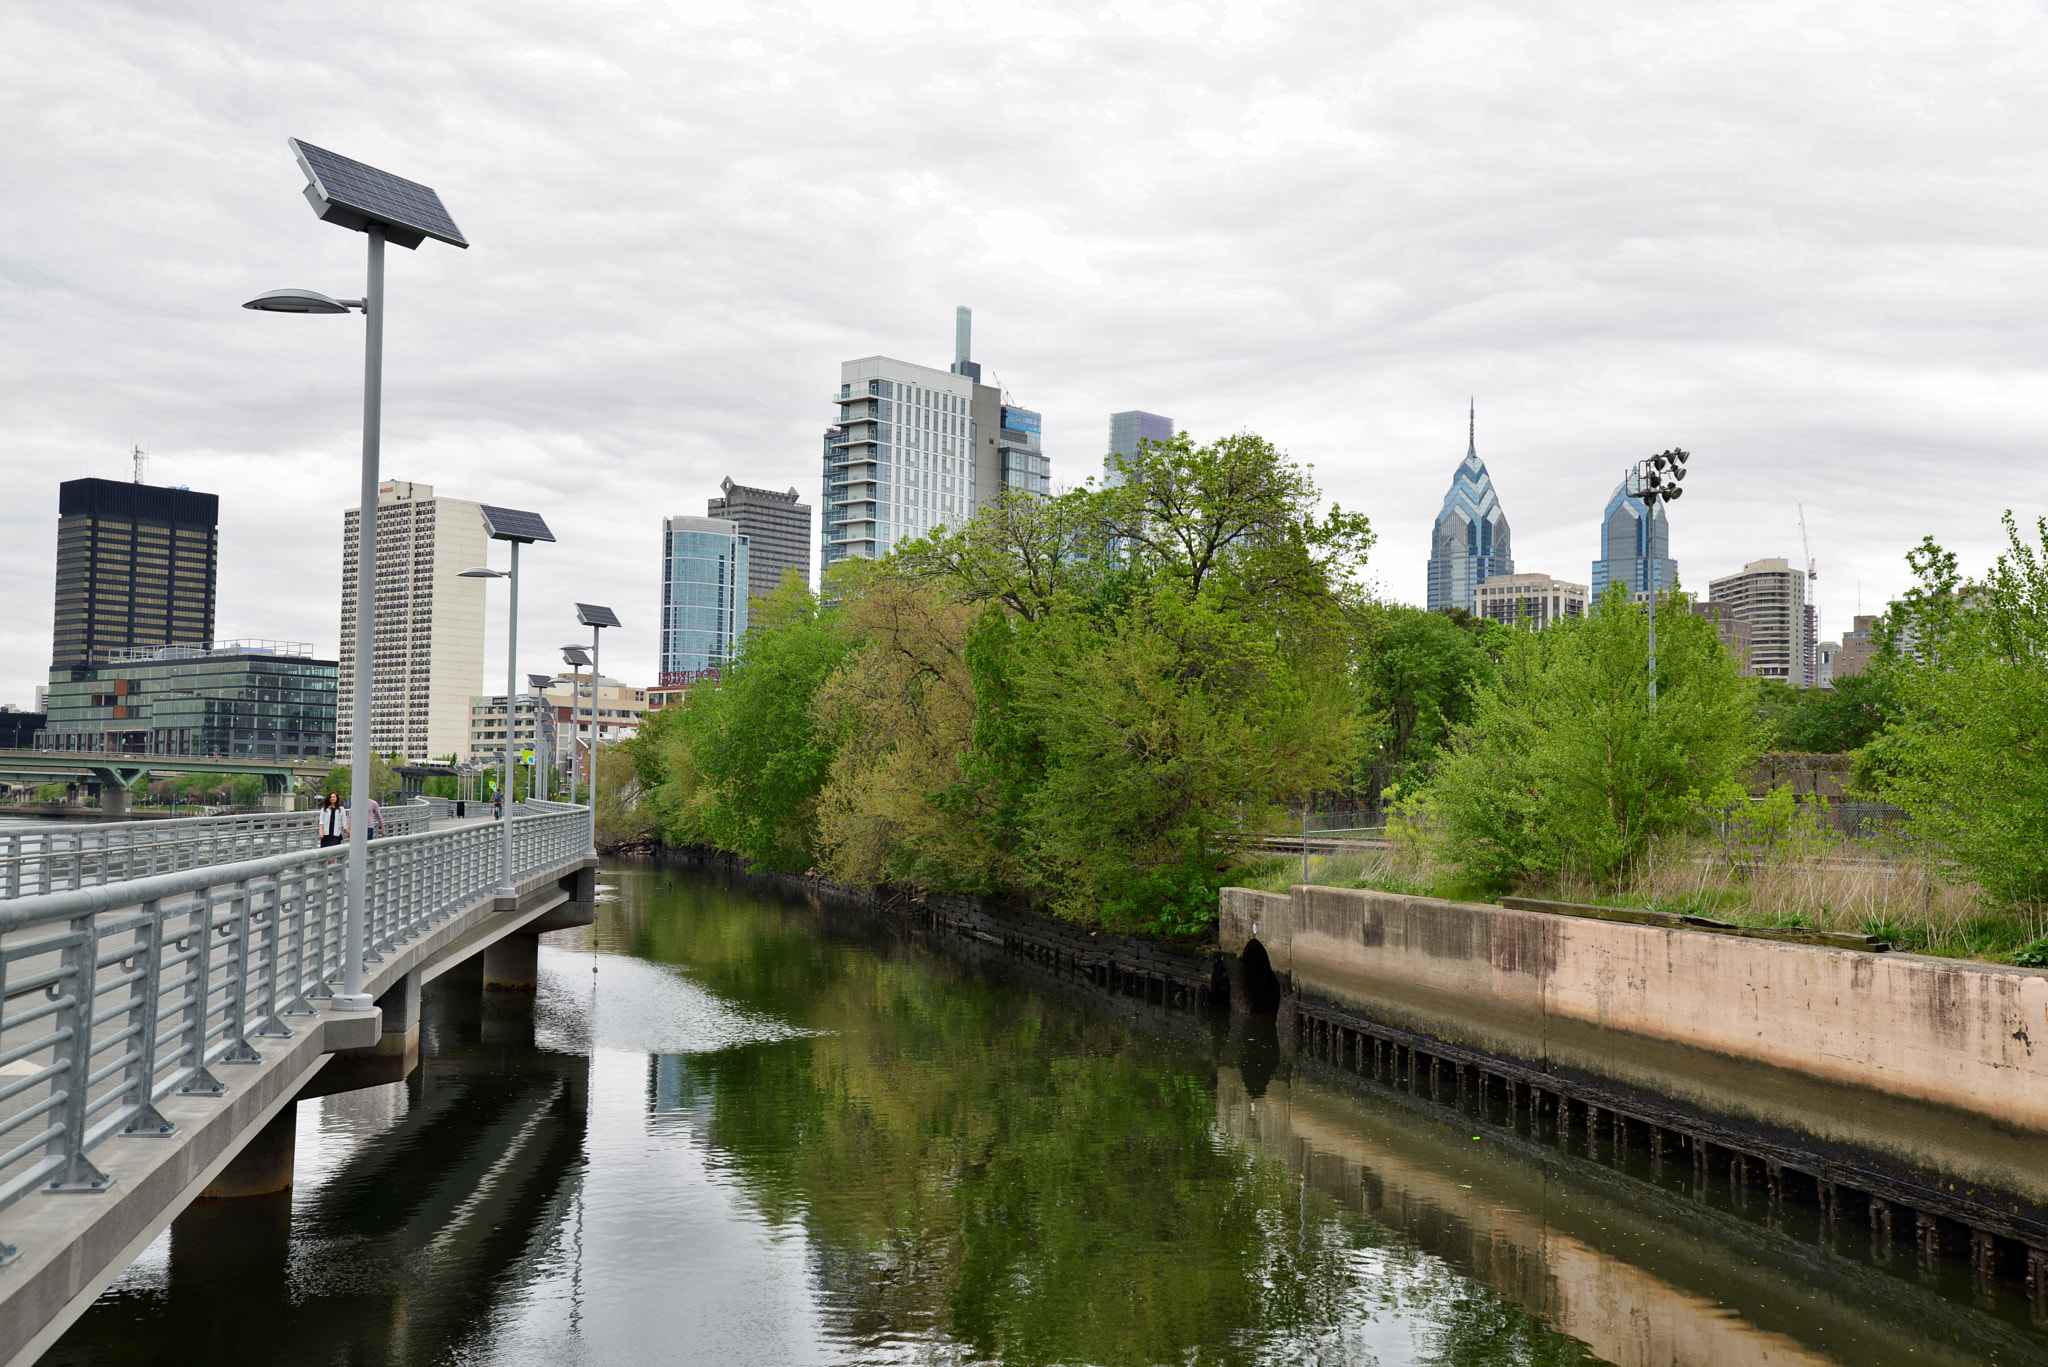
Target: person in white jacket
(333, 821)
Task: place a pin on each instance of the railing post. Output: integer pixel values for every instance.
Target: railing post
(79, 967)
(272, 1025)
(144, 1005)
(243, 922)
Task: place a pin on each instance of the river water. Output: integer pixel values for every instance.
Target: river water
(733, 1129)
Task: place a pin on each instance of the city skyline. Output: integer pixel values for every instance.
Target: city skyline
(1599, 293)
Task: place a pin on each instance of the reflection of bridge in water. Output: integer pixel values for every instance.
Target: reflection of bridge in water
(158, 1027)
(452, 1203)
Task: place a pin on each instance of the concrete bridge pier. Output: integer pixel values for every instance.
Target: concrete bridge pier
(513, 963)
(264, 1166)
(391, 1059)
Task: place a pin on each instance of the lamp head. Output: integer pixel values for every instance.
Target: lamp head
(482, 572)
(300, 301)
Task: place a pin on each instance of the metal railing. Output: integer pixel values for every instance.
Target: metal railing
(58, 857)
(116, 997)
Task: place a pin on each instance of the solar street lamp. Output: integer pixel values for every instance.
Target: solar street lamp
(385, 208)
(537, 684)
(519, 528)
(597, 619)
(1653, 481)
(576, 657)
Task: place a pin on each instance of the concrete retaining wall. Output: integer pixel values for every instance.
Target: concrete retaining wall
(1931, 1067)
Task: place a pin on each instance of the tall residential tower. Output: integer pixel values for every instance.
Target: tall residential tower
(915, 449)
(1470, 542)
(429, 656)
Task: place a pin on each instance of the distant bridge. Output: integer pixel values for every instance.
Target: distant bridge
(163, 1003)
(117, 773)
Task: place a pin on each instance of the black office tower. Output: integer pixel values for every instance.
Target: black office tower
(135, 568)
(778, 532)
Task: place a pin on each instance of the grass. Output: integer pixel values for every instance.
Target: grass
(1818, 884)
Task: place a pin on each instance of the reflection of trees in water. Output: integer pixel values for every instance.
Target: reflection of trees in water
(973, 1162)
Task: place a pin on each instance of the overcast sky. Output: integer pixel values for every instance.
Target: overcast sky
(1802, 240)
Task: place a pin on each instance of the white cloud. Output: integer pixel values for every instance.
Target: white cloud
(1798, 239)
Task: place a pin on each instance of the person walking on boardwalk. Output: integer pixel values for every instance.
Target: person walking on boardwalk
(333, 821)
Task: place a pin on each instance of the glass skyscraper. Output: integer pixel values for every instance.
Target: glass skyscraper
(703, 597)
(1126, 431)
(1635, 547)
(1470, 542)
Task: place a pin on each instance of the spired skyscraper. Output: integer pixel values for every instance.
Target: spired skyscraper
(1635, 547)
(1470, 543)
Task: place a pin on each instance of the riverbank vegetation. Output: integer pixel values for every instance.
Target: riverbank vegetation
(1099, 703)
(1084, 702)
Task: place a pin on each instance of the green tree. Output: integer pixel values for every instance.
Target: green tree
(1967, 757)
(1417, 675)
(1565, 766)
(739, 766)
(384, 780)
(1831, 721)
(247, 790)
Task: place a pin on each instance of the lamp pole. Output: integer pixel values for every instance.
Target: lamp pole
(352, 997)
(508, 886)
(1653, 481)
(384, 208)
(517, 527)
(597, 619)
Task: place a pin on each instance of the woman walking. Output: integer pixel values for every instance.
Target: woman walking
(333, 821)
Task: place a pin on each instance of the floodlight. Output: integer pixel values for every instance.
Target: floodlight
(593, 616)
(350, 194)
(300, 301)
(482, 572)
(511, 524)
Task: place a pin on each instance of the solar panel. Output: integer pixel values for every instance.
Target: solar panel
(592, 616)
(348, 193)
(538, 682)
(510, 524)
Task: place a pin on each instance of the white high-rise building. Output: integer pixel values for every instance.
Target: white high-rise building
(1770, 595)
(429, 657)
(915, 448)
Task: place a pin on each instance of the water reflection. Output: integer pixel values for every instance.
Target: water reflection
(758, 1134)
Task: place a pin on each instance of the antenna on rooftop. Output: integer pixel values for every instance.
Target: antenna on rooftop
(141, 459)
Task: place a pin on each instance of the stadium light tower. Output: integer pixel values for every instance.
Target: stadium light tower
(1653, 481)
(385, 208)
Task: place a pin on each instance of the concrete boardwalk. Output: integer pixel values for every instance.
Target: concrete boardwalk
(228, 963)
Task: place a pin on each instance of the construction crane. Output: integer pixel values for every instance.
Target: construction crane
(1812, 607)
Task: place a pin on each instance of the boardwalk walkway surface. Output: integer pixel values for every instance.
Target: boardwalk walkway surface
(163, 997)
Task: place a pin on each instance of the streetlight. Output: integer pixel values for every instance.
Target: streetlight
(386, 208)
(576, 657)
(597, 619)
(519, 528)
(1653, 480)
(537, 684)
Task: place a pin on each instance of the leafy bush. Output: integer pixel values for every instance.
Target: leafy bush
(1564, 767)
